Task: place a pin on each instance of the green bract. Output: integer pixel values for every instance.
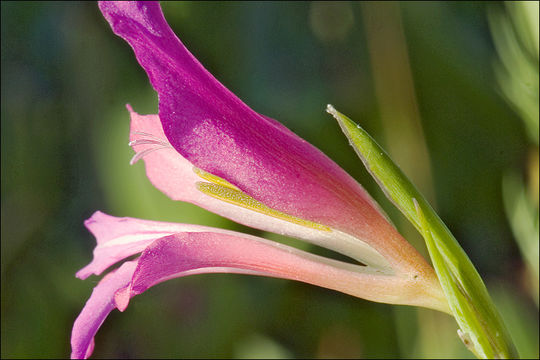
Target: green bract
(481, 327)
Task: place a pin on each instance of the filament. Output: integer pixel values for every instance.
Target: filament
(150, 140)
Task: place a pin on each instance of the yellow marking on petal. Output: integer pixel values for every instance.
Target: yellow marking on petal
(213, 178)
(237, 197)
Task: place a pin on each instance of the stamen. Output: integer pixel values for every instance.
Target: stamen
(147, 142)
(153, 140)
(146, 134)
(138, 156)
(213, 178)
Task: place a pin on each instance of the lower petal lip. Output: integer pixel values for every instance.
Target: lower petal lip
(188, 253)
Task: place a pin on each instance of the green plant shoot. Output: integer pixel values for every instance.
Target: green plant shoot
(480, 326)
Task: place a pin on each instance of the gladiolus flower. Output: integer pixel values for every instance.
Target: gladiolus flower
(208, 148)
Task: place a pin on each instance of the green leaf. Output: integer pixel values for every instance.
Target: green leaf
(481, 326)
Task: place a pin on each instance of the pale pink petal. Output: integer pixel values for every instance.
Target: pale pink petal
(185, 254)
(118, 238)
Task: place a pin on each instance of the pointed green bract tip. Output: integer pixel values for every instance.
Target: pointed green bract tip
(331, 110)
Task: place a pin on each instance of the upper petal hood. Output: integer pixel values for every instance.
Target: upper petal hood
(214, 130)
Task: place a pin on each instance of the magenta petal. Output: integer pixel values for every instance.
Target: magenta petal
(100, 304)
(217, 132)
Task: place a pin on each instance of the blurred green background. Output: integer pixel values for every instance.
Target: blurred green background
(423, 78)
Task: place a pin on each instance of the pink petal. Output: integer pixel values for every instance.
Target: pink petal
(185, 254)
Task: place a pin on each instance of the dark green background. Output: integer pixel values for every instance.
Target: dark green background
(65, 81)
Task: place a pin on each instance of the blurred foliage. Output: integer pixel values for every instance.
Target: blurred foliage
(516, 38)
(64, 131)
